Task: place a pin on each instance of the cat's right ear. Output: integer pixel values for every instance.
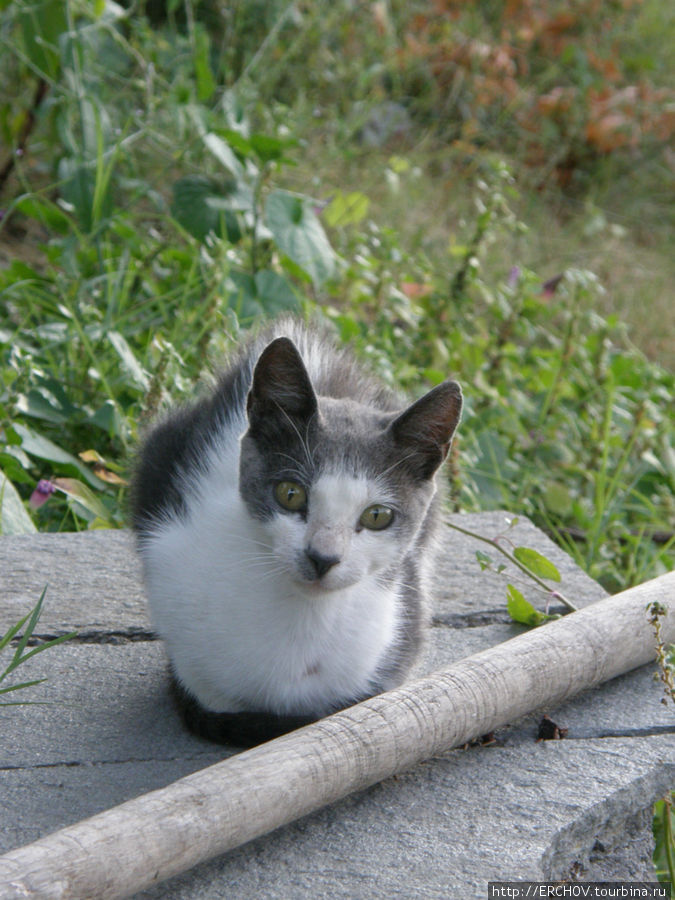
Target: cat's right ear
(424, 431)
(281, 386)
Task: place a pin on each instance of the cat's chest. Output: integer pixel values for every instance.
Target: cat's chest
(243, 634)
(325, 649)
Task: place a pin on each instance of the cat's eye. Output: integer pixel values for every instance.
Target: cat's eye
(291, 495)
(377, 517)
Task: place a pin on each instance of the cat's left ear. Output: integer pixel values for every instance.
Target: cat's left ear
(281, 386)
(424, 431)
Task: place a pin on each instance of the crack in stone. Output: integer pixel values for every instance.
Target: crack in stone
(472, 619)
(83, 763)
(653, 731)
(96, 636)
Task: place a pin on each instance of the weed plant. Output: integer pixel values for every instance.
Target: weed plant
(163, 195)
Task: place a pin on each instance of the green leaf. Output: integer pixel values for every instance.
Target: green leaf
(83, 495)
(205, 82)
(224, 154)
(13, 516)
(521, 610)
(484, 560)
(137, 375)
(203, 208)
(16, 465)
(299, 234)
(18, 687)
(108, 418)
(275, 293)
(40, 404)
(45, 212)
(558, 499)
(78, 184)
(266, 294)
(663, 828)
(346, 209)
(41, 25)
(537, 563)
(269, 149)
(41, 447)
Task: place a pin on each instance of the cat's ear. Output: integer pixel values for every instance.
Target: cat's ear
(424, 431)
(281, 385)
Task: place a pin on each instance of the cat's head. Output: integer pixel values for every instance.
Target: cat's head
(341, 488)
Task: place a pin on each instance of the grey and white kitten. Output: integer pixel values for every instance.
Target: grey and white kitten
(285, 522)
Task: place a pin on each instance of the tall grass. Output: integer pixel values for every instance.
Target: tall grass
(180, 178)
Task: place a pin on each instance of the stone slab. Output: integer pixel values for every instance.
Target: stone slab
(446, 829)
(463, 591)
(93, 578)
(516, 809)
(92, 581)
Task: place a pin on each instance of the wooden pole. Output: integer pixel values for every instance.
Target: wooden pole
(144, 841)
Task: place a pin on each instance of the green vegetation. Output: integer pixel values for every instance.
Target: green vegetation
(24, 628)
(664, 837)
(418, 174)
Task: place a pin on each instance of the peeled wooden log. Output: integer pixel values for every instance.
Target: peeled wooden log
(144, 841)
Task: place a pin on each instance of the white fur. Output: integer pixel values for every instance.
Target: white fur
(244, 629)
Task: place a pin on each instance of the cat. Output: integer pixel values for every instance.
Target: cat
(285, 522)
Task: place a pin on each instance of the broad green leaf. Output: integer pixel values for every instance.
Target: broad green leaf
(558, 498)
(108, 418)
(224, 154)
(41, 404)
(83, 495)
(269, 148)
(15, 464)
(77, 189)
(537, 563)
(346, 209)
(521, 610)
(267, 294)
(42, 23)
(45, 212)
(275, 293)
(663, 828)
(13, 516)
(299, 234)
(34, 444)
(203, 208)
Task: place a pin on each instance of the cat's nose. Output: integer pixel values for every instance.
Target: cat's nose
(320, 563)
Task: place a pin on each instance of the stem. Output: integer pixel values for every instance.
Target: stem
(29, 123)
(517, 563)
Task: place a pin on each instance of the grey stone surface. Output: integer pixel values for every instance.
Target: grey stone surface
(93, 582)
(515, 809)
(464, 592)
(446, 829)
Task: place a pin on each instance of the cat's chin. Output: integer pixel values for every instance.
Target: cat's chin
(322, 586)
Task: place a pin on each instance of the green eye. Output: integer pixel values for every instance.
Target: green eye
(377, 517)
(291, 495)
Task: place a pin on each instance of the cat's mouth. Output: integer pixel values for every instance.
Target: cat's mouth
(318, 586)
(326, 584)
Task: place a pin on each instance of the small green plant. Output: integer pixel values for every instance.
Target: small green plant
(22, 655)
(531, 563)
(663, 827)
(665, 656)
